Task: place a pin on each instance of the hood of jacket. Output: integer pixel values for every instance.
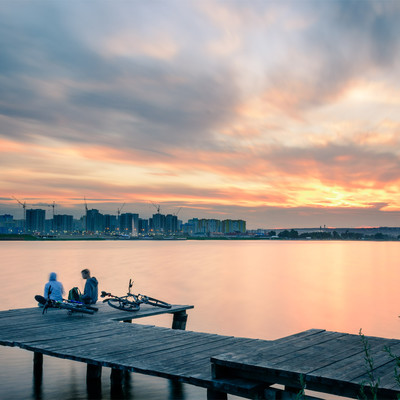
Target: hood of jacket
(93, 281)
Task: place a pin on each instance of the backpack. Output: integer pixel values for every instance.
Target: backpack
(74, 294)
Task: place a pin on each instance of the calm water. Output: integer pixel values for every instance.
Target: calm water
(257, 289)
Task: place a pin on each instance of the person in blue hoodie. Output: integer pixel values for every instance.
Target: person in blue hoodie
(54, 287)
(90, 293)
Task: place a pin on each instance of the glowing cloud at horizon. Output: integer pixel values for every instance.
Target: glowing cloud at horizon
(278, 113)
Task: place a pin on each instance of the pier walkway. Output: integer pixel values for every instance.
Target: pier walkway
(330, 362)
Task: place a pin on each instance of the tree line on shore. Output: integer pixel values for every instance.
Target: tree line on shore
(328, 235)
(283, 235)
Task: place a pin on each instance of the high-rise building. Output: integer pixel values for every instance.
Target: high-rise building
(94, 221)
(192, 226)
(214, 226)
(171, 224)
(135, 224)
(129, 223)
(143, 226)
(233, 226)
(35, 220)
(203, 226)
(7, 223)
(63, 223)
(110, 223)
(158, 223)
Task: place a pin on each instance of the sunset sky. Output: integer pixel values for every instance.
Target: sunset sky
(282, 113)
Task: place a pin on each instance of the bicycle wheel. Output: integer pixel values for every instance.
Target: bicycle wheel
(124, 305)
(80, 304)
(77, 309)
(154, 302)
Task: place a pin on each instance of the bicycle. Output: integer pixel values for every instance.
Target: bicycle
(72, 306)
(132, 302)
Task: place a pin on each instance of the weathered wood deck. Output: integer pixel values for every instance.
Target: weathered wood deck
(331, 362)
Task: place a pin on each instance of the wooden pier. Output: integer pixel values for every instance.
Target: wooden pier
(328, 362)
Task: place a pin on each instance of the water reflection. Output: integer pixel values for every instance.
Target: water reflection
(37, 376)
(94, 389)
(120, 384)
(262, 290)
(176, 391)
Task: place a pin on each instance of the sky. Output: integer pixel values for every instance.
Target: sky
(283, 113)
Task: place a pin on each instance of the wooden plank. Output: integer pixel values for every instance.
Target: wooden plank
(49, 326)
(283, 350)
(6, 330)
(132, 345)
(326, 358)
(151, 354)
(296, 336)
(384, 366)
(88, 336)
(193, 362)
(300, 354)
(325, 363)
(348, 368)
(194, 352)
(105, 312)
(385, 374)
(145, 311)
(322, 355)
(17, 312)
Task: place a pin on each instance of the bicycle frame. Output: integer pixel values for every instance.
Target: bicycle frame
(132, 302)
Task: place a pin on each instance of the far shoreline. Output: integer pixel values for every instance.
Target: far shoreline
(29, 237)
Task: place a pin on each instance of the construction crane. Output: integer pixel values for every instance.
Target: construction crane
(86, 209)
(84, 199)
(118, 214)
(176, 214)
(119, 210)
(157, 206)
(52, 205)
(24, 208)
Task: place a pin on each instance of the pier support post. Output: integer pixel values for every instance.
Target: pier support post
(93, 372)
(179, 321)
(93, 381)
(213, 394)
(176, 390)
(116, 377)
(38, 363)
(37, 372)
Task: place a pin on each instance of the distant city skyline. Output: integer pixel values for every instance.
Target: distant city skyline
(293, 218)
(93, 222)
(281, 113)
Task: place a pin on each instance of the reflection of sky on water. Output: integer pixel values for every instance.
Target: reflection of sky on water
(258, 289)
(65, 379)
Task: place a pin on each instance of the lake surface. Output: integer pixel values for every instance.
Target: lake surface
(256, 289)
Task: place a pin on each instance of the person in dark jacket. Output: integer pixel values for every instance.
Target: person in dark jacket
(90, 293)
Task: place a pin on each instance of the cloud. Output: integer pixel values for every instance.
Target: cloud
(142, 100)
(288, 105)
(346, 41)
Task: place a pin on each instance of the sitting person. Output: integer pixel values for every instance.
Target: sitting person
(53, 289)
(90, 293)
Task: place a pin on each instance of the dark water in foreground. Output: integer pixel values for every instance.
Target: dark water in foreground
(257, 289)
